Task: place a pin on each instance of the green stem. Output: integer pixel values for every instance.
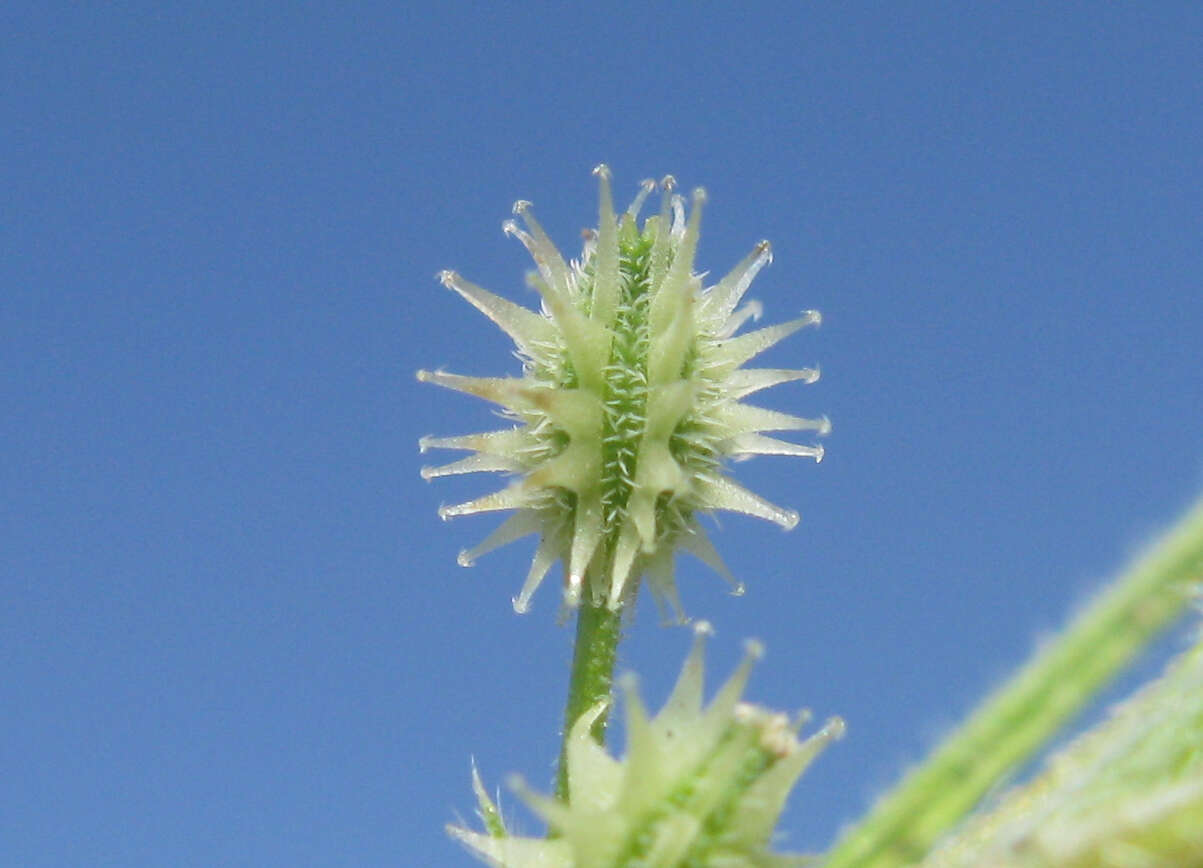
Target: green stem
(1014, 723)
(597, 633)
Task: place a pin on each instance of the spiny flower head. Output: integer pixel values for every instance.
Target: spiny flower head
(698, 786)
(629, 403)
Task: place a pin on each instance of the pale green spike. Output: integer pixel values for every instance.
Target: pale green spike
(678, 224)
(658, 472)
(625, 552)
(662, 246)
(722, 493)
(645, 189)
(721, 299)
(745, 419)
(546, 554)
(685, 701)
(525, 327)
(734, 352)
(698, 544)
(515, 496)
(670, 301)
(506, 391)
(588, 342)
(747, 445)
(521, 524)
(545, 253)
(753, 310)
(479, 463)
(511, 441)
(720, 710)
(607, 282)
(586, 535)
(641, 513)
(745, 381)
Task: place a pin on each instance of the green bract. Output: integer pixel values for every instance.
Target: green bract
(629, 403)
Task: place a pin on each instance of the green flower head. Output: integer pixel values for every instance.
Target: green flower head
(629, 405)
(698, 785)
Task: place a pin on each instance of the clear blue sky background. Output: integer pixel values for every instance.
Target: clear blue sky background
(232, 629)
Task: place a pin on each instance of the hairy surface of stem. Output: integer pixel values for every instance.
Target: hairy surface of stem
(598, 630)
(1014, 723)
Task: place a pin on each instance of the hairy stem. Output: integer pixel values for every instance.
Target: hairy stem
(597, 633)
(1019, 719)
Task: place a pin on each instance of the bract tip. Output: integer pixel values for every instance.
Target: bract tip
(573, 589)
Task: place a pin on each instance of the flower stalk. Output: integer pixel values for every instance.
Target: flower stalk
(598, 630)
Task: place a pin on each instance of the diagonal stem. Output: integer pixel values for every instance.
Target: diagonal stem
(1014, 723)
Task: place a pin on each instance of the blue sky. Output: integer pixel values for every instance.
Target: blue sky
(232, 628)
